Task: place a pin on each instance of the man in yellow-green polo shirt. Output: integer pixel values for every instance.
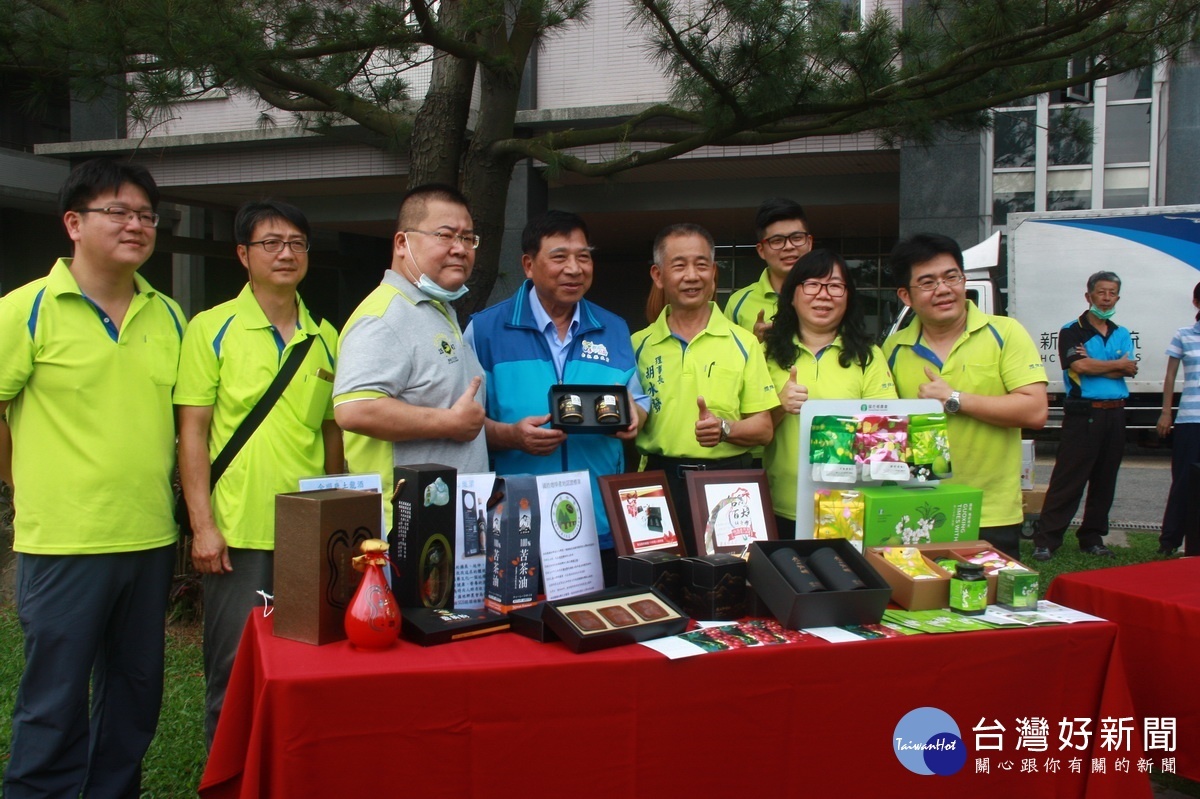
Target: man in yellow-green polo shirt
(87, 363)
(710, 393)
(231, 354)
(783, 238)
(985, 370)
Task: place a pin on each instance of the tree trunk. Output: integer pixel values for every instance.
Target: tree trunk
(439, 129)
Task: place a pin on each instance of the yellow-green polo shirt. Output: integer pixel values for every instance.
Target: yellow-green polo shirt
(825, 378)
(743, 305)
(231, 354)
(723, 363)
(90, 411)
(993, 357)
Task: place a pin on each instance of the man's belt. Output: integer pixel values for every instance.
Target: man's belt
(679, 467)
(1108, 403)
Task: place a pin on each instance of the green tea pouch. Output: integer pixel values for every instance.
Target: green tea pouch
(929, 447)
(831, 449)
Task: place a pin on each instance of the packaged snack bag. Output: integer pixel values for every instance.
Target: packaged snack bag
(880, 444)
(838, 513)
(831, 449)
(909, 561)
(928, 447)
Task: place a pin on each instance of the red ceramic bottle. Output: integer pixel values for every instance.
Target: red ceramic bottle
(372, 619)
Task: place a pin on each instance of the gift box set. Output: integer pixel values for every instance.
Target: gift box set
(714, 587)
(513, 552)
(613, 617)
(589, 408)
(316, 535)
(662, 571)
(421, 543)
(797, 604)
(430, 626)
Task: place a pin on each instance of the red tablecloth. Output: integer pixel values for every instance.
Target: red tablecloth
(503, 716)
(1157, 606)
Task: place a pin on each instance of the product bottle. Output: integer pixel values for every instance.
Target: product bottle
(968, 589)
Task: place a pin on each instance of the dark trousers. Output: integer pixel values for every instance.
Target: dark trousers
(1185, 451)
(1089, 454)
(1006, 538)
(89, 621)
(229, 599)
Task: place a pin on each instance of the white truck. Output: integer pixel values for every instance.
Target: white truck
(1156, 253)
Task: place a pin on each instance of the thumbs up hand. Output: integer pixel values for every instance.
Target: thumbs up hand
(468, 413)
(708, 427)
(793, 396)
(761, 326)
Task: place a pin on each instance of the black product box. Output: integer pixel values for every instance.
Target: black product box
(529, 622)
(429, 626)
(613, 617)
(421, 544)
(317, 533)
(584, 408)
(824, 608)
(714, 587)
(513, 544)
(662, 571)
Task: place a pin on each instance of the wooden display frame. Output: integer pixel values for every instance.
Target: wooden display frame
(711, 492)
(621, 494)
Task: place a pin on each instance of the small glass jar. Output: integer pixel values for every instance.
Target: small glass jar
(570, 409)
(968, 590)
(608, 410)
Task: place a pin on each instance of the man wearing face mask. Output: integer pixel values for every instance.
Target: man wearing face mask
(1096, 355)
(408, 390)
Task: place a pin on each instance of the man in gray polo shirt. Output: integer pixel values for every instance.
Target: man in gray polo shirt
(408, 390)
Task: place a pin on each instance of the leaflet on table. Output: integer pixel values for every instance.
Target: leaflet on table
(1046, 613)
(724, 636)
(470, 531)
(570, 547)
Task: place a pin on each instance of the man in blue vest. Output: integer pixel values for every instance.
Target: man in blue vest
(1096, 355)
(548, 334)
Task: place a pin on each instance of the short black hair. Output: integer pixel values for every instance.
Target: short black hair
(98, 175)
(1110, 277)
(412, 206)
(550, 223)
(777, 209)
(918, 249)
(682, 229)
(255, 212)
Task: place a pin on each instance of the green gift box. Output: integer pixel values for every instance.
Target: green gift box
(895, 516)
(1017, 589)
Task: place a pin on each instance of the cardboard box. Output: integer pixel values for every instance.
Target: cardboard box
(1032, 500)
(896, 515)
(662, 571)
(513, 545)
(714, 587)
(1017, 589)
(907, 592)
(613, 617)
(1027, 465)
(430, 626)
(316, 535)
(962, 550)
(421, 543)
(529, 622)
(826, 608)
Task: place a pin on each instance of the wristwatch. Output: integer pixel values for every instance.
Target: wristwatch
(725, 430)
(953, 402)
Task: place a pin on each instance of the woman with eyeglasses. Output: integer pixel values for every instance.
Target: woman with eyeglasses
(818, 348)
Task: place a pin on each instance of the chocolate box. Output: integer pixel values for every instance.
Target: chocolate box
(662, 571)
(613, 617)
(824, 609)
(563, 410)
(714, 587)
(316, 535)
(929, 594)
(430, 626)
(421, 543)
(513, 544)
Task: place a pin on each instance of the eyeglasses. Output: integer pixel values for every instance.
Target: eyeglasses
(797, 239)
(813, 287)
(949, 281)
(124, 216)
(274, 246)
(468, 240)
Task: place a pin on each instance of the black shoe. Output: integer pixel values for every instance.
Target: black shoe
(1166, 551)
(1042, 553)
(1099, 550)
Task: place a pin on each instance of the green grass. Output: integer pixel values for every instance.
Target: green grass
(176, 759)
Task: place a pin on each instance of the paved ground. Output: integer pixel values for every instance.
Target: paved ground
(1141, 492)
